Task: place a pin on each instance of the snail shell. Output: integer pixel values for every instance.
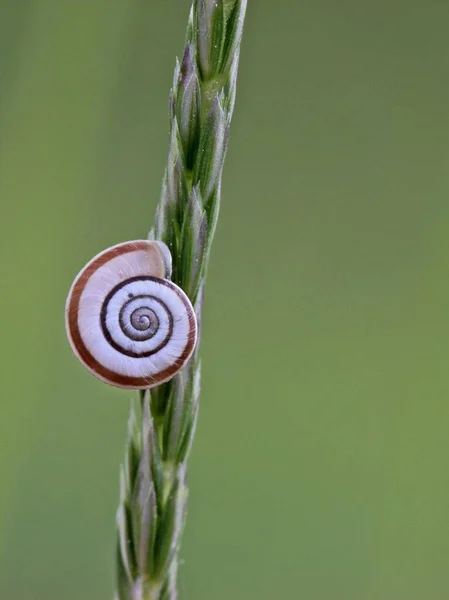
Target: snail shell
(126, 322)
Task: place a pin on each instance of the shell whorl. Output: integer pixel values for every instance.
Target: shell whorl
(126, 322)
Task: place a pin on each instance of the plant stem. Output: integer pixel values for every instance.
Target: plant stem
(153, 501)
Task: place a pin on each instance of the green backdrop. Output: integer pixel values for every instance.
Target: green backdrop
(320, 465)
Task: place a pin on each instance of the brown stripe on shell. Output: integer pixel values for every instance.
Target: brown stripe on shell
(81, 350)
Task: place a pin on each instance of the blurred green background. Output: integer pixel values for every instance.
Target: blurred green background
(320, 466)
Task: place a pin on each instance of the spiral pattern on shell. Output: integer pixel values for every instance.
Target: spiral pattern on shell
(126, 322)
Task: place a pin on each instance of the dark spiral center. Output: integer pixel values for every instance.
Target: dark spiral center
(142, 323)
(138, 316)
(143, 318)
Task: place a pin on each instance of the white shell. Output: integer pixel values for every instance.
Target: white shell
(128, 324)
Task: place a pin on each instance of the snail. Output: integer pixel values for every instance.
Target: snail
(126, 321)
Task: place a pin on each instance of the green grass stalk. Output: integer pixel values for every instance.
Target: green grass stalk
(153, 499)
